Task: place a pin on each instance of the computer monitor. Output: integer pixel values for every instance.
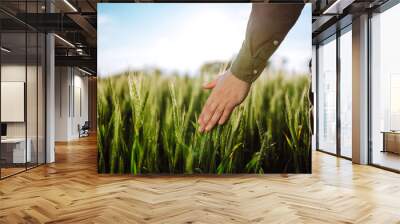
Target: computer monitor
(3, 129)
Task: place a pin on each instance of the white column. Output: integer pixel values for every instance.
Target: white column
(50, 92)
(360, 90)
(50, 99)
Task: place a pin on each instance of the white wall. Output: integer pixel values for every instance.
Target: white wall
(62, 82)
(70, 83)
(12, 73)
(79, 117)
(33, 126)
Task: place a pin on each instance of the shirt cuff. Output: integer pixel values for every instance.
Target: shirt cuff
(247, 66)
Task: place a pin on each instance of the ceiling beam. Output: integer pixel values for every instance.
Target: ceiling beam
(84, 24)
(78, 61)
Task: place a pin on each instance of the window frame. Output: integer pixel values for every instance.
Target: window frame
(380, 9)
(334, 37)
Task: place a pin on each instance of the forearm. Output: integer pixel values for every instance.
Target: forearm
(267, 27)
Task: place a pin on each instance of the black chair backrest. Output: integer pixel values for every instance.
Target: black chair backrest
(86, 125)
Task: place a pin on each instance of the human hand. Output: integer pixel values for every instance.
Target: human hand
(227, 93)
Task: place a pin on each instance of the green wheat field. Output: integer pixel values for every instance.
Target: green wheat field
(147, 124)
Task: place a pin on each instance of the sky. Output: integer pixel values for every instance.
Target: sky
(183, 36)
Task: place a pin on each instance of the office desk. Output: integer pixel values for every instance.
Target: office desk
(391, 141)
(16, 147)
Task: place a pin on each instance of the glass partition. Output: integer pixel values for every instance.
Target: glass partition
(32, 96)
(23, 91)
(14, 153)
(327, 96)
(41, 91)
(385, 89)
(346, 93)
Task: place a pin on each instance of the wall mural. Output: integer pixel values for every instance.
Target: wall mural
(184, 89)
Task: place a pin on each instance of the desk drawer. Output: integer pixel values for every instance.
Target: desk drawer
(392, 143)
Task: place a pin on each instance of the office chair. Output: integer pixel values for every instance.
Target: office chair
(84, 130)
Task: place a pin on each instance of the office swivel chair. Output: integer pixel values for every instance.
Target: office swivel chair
(3, 131)
(84, 130)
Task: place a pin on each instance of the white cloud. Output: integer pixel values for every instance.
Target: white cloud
(214, 34)
(185, 42)
(103, 19)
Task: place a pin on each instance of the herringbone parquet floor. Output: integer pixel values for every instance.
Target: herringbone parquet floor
(71, 191)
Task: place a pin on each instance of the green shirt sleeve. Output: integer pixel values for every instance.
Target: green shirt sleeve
(267, 27)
